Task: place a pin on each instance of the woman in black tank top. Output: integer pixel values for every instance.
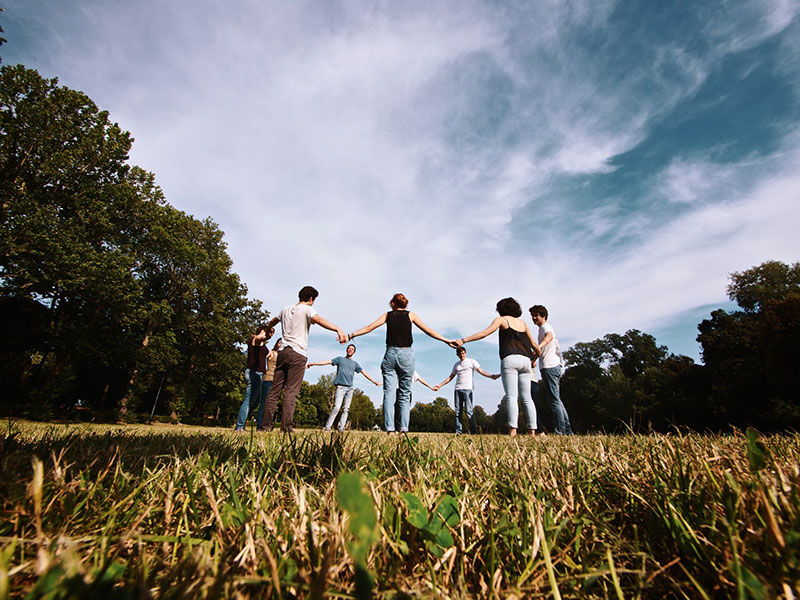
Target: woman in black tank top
(398, 362)
(518, 351)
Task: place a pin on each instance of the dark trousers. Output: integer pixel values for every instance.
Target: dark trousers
(289, 371)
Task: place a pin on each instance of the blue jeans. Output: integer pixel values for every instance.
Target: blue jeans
(463, 402)
(343, 395)
(266, 386)
(515, 373)
(397, 369)
(252, 395)
(551, 389)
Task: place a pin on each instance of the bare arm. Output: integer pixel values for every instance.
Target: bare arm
(426, 384)
(319, 364)
(494, 326)
(534, 345)
(485, 374)
(367, 328)
(446, 381)
(272, 322)
(322, 322)
(431, 332)
(365, 374)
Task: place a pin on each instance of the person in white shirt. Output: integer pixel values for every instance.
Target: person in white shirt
(550, 368)
(295, 320)
(463, 372)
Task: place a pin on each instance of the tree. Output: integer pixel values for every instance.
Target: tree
(436, 416)
(751, 354)
(770, 281)
(124, 295)
(363, 414)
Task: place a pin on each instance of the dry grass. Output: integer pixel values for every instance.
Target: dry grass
(137, 512)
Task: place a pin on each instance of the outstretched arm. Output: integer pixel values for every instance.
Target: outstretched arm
(365, 374)
(319, 364)
(445, 382)
(494, 326)
(431, 332)
(322, 322)
(367, 328)
(427, 385)
(485, 374)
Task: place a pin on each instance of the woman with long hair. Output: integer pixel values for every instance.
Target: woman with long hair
(398, 362)
(518, 350)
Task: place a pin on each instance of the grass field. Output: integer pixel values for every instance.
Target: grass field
(138, 512)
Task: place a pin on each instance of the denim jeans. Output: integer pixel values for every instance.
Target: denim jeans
(551, 389)
(252, 395)
(265, 388)
(344, 394)
(515, 372)
(397, 369)
(463, 403)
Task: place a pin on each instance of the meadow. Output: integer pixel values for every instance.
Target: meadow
(90, 511)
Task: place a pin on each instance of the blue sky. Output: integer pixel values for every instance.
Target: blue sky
(614, 161)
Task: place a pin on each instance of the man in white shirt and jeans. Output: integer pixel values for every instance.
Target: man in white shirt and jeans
(550, 367)
(295, 320)
(463, 372)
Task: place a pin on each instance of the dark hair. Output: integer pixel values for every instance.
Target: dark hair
(508, 307)
(307, 293)
(538, 309)
(459, 349)
(263, 327)
(353, 345)
(399, 301)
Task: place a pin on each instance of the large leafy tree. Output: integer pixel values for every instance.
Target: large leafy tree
(751, 354)
(120, 295)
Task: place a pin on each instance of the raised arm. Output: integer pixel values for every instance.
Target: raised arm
(319, 364)
(367, 328)
(431, 332)
(322, 322)
(494, 326)
(365, 374)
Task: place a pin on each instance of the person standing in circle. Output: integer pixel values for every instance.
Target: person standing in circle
(346, 368)
(295, 320)
(257, 353)
(550, 367)
(463, 372)
(398, 362)
(517, 352)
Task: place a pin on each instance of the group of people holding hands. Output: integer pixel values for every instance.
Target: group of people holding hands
(281, 370)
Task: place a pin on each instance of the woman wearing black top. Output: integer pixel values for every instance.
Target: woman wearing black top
(517, 348)
(398, 362)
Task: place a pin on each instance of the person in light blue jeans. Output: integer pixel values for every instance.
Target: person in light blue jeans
(550, 366)
(518, 350)
(346, 368)
(398, 362)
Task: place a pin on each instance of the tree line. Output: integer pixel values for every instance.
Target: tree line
(116, 303)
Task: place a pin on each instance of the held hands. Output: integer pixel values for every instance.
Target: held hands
(495, 376)
(341, 336)
(436, 388)
(455, 343)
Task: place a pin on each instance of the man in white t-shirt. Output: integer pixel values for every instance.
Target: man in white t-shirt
(550, 368)
(463, 372)
(295, 320)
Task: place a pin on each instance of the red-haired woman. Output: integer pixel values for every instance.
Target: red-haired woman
(398, 362)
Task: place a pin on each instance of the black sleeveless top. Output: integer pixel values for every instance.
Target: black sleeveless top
(514, 342)
(257, 356)
(398, 329)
